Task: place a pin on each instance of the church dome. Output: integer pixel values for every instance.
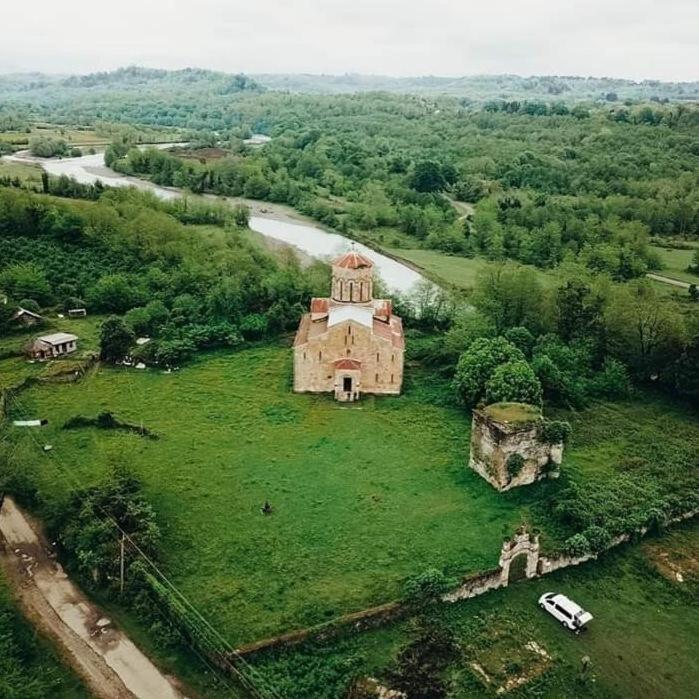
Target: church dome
(352, 260)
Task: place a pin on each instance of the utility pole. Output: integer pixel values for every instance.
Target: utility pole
(121, 566)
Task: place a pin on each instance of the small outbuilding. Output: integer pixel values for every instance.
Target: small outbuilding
(77, 312)
(26, 317)
(54, 345)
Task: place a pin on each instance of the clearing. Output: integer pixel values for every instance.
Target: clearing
(363, 496)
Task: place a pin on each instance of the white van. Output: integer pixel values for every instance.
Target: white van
(565, 610)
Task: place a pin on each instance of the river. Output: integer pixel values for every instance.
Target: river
(270, 220)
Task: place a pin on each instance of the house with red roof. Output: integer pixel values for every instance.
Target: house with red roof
(349, 343)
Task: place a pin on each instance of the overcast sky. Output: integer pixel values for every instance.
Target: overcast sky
(620, 38)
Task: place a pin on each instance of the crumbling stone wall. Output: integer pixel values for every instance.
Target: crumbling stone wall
(511, 453)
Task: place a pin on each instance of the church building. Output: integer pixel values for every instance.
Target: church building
(350, 343)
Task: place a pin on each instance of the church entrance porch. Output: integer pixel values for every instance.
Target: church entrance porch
(347, 380)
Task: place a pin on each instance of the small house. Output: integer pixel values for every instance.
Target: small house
(55, 345)
(26, 318)
(77, 312)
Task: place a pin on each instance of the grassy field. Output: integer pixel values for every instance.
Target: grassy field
(363, 496)
(641, 642)
(675, 263)
(460, 272)
(29, 667)
(29, 173)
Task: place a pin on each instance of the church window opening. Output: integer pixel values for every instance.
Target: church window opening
(391, 378)
(347, 384)
(320, 355)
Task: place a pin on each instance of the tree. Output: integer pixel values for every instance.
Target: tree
(511, 295)
(116, 339)
(646, 330)
(115, 293)
(427, 176)
(685, 371)
(26, 280)
(514, 381)
(694, 267)
(477, 364)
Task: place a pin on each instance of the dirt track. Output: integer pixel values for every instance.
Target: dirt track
(111, 665)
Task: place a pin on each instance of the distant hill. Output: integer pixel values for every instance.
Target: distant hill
(484, 87)
(31, 87)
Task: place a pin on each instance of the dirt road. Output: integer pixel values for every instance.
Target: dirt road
(111, 665)
(668, 280)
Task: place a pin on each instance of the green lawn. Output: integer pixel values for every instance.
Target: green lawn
(26, 173)
(675, 263)
(363, 495)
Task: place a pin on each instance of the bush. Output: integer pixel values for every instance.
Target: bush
(30, 305)
(426, 588)
(598, 538)
(521, 338)
(555, 431)
(116, 339)
(577, 545)
(515, 464)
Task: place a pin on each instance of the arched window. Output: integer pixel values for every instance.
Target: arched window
(391, 378)
(320, 355)
(348, 351)
(304, 355)
(377, 356)
(351, 293)
(376, 378)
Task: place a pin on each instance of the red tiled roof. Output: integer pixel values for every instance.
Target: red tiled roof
(383, 308)
(391, 331)
(347, 364)
(352, 260)
(319, 305)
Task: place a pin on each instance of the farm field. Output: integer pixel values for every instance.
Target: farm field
(363, 496)
(640, 643)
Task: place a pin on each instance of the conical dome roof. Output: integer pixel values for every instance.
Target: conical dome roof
(352, 260)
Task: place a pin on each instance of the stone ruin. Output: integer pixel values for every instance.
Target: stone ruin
(508, 446)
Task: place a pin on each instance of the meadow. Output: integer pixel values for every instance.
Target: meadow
(363, 496)
(675, 263)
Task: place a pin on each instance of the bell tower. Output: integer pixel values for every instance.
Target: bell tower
(352, 279)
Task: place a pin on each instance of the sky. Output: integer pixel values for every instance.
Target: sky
(656, 39)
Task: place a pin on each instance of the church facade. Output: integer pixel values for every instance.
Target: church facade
(350, 343)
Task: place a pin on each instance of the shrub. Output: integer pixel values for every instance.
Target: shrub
(555, 431)
(521, 338)
(515, 463)
(30, 305)
(598, 538)
(116, 339)
(426, 588)
(577, 545)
